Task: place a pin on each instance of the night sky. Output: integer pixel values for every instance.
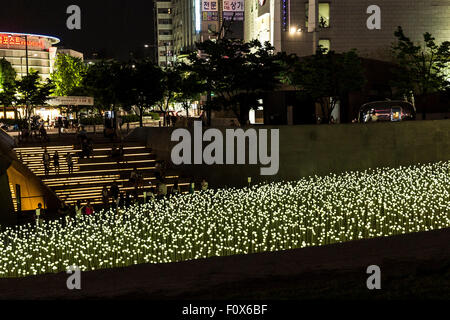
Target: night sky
(111, 28)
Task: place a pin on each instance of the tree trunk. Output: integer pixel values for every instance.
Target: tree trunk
(186, 107)
(166, 113)
(243, 114)
(208, 109)
(141, 122)
(424, 110)
(324, 113)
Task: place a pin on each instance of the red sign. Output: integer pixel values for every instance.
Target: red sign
(16, 41)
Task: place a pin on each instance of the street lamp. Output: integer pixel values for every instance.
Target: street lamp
(146, 46)
(157, 51)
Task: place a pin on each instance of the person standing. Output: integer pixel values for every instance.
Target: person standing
(204, 185)
(147, 191)
(69, 160)
(162, 189)
(105, 197)
(134, 177)
(114, 192)
(63, 213)
(56, 162)
(176, 188)
(39, 211)
(46, 160)
(89, 210)
(60, 125)
(191, 187)
(121, 201)
(78, 209)
(158, 170)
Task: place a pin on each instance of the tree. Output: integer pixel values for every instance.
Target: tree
(33, 92)
(327, 77)
(170, 80)
(68, 75)
(103, 82)
(190, 87)
(7, 84)
(423, 69)
(238, 72)
(142, 86)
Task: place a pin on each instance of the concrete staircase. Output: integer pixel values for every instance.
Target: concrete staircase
(90, 175)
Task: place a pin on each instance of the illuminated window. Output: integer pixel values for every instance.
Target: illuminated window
(325, 43)
(324, 15)
(164, 10)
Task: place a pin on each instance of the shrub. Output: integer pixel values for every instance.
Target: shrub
(130, 118)
(98, 120)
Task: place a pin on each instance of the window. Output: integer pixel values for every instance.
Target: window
(164, 53)
(164, 10)
(163, 43)
(325, 43)
(164, 21)
(324, 15)
(165, 32)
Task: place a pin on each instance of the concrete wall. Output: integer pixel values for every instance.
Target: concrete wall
(322, 149)
(6, 203)
(13, 172)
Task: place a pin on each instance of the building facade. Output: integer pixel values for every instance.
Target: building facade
(299, 26)
(15, 47)
(164, 32)
(179, 24)
(72, 53)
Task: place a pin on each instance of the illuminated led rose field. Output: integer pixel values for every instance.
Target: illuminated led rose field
(271, 217)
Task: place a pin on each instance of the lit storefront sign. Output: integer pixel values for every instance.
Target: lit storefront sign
(233, 8)
(209, 5)
(210, 10)
(16, 41)
(210, 16)
(71, 101)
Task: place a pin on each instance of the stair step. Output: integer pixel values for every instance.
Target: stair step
(91, 175)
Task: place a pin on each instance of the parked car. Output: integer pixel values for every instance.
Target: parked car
(386, 111)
